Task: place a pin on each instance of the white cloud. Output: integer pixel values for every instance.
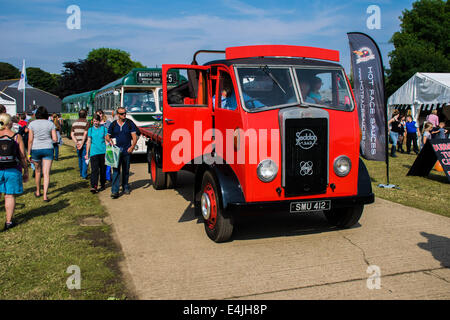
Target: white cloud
(175, 38)
(246, 9)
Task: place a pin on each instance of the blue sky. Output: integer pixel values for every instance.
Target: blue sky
(155, 32)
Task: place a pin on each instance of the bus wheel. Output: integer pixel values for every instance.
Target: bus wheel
(171, 180)
(157, 175)
(218, 227)
(344, 217)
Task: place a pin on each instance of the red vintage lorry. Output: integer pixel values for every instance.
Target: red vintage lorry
(269, 126)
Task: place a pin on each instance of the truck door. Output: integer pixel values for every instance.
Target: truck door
(187, 114)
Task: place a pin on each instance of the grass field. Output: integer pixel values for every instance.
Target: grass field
(35, 255)
(431, 193)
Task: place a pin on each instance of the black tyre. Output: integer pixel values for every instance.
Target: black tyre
(149, 159)
(157, 175)
(218, 226)
(171, 180)
(344, 217)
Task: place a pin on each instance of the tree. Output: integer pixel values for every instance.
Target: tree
(41, 79)
(119, 61)
(422, 44)
(84, 75)
(8, 71)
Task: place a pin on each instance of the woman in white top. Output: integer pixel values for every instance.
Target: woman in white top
(42, 135)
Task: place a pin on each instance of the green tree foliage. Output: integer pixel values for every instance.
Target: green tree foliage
(41, 79)
(119, 61)
(84, 75)
(8, 71)
(422, 44)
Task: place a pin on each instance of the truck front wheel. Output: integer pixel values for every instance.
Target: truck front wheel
(218, 227)
(157, 175)
(344, 217)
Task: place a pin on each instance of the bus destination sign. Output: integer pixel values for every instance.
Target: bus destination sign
(155, 77)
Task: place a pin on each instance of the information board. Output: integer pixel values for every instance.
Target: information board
(432, 151)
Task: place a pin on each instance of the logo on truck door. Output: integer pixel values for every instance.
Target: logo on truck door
(306, 139)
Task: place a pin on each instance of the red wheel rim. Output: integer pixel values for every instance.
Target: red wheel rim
(209, 192)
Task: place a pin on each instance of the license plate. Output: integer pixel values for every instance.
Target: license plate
(307, 206)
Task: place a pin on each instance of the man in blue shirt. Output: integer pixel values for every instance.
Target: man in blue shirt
(228, 100)
(124, 132)
(412, 132)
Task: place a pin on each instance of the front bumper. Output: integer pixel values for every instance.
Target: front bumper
(284, 205)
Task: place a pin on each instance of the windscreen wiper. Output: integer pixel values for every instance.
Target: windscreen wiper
(266, 71)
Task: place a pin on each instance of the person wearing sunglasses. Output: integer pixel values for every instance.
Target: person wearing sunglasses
(123, 130)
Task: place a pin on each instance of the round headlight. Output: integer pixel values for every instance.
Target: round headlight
(342, 166)
(267, 170)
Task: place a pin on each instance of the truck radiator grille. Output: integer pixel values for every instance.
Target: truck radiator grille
(306, 156)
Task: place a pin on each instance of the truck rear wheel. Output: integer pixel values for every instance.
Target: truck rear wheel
(149, 159)
(218, 227)
(157, 175)
(344, 217)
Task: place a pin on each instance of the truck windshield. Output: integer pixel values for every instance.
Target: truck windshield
(139, 101)
(265, 86)
(325, 88)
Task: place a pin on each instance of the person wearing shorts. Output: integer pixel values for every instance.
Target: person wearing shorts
(42, 135)
(11, 176)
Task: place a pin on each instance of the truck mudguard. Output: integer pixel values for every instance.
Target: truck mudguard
(364, 182)
(230, 188)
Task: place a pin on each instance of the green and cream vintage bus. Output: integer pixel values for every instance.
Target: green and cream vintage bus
(72, 104)
(140, 93)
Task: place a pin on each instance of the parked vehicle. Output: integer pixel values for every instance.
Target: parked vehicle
(139, 92)
(266, 127)
(71, 105)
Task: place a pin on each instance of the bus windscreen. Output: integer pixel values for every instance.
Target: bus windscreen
(139, 101)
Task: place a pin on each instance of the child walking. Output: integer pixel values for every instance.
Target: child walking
(95, 150)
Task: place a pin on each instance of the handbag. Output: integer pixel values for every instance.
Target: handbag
(112, 156)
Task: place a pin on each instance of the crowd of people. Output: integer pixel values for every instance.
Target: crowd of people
(403, 127)
(33, 141)
(91, 142)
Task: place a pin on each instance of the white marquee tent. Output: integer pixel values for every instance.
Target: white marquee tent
(9, 103)
(423, 91)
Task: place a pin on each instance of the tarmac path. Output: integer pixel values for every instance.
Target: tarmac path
(279, 255)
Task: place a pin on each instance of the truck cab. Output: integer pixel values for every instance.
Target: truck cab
(266, 127)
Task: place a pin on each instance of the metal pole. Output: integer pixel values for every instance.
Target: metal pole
(25, 85)
(387, 138)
